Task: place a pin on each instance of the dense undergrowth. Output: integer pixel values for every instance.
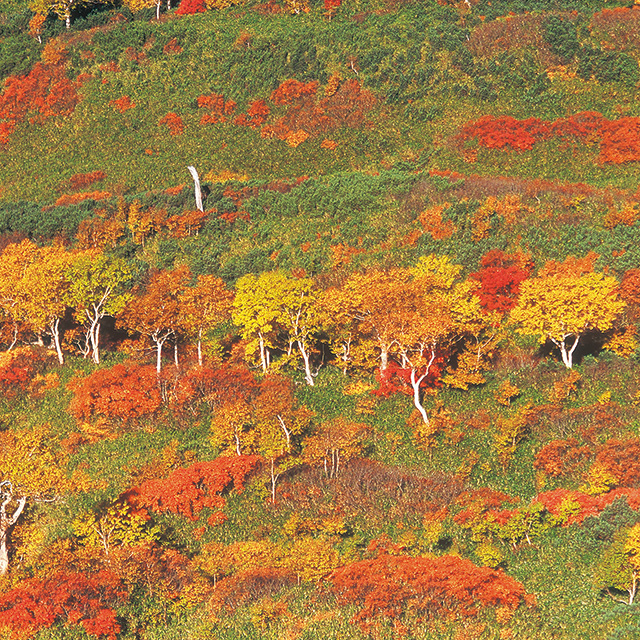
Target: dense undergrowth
(392, 191)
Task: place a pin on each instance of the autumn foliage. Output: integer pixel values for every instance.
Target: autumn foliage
(45, 92)
(189, 490)
(66, 597)
(124, 392)
(173, 122)
(389, 586)
(500, 278)
(619, 139)
(189, 7)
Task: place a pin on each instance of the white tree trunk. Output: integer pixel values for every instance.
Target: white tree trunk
(192, 170)
(7, 522)
(54, 327)
(307, 367)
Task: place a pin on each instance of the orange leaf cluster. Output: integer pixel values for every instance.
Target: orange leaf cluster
(173, 122)
(122, 104)
(387, 586)
(45, 92)
(619, 139)
(346, 107)
(71, 598)
(124, 392)
(218, 108)
(256, 115)
(67, 199)
(189, 490)
(81, 180)
(432, 222)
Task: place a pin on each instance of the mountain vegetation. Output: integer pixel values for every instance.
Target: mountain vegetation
(376, 374)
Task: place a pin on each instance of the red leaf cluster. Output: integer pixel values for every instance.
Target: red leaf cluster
(218, 108)
(173, 122)
(18, 368)
(619, 139)
(589, 505)
(122, 104)
(395, 379)
(45, 92)
(500, 278)
(256, 115)
(189, 490)
(346, 106)
(70, 598)
(388, 586)
(562, 457)
(188, 7)
(125, 392)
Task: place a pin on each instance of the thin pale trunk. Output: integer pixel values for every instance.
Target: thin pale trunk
(159, 356)
(384, 357)
(15, 338)
(200, 347)
(237, 439)
(416, 381)
(194, 173)
(567, 354)
(263, 358)
(307, 368)
(287, 433)
(55, 334)
(415, 385)
(634, 586)
(158, 10)
(274, 479)
(6, 523)
(67, 19)
(175, 354)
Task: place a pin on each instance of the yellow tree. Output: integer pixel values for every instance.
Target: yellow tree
(620, 564)
(275, 303)
(561, 306)
(205, 306)
(32, 470)
(45, 293)
(99, 287)
(372, 301)
(14, 261)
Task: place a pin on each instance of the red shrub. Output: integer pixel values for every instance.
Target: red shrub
(173, 122)
(619, 139)
(18, 368)
(81, 180)
(562, 457)
(122, 104)
(188, 7)
(74, 198)
(124, 392)
(45, 92)
(189, 490)
(69, 598)
(290, 91)
(388, 586)
(622, 460)
(500, 278)
(218, 108)
(256, 115)
(589, 505)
